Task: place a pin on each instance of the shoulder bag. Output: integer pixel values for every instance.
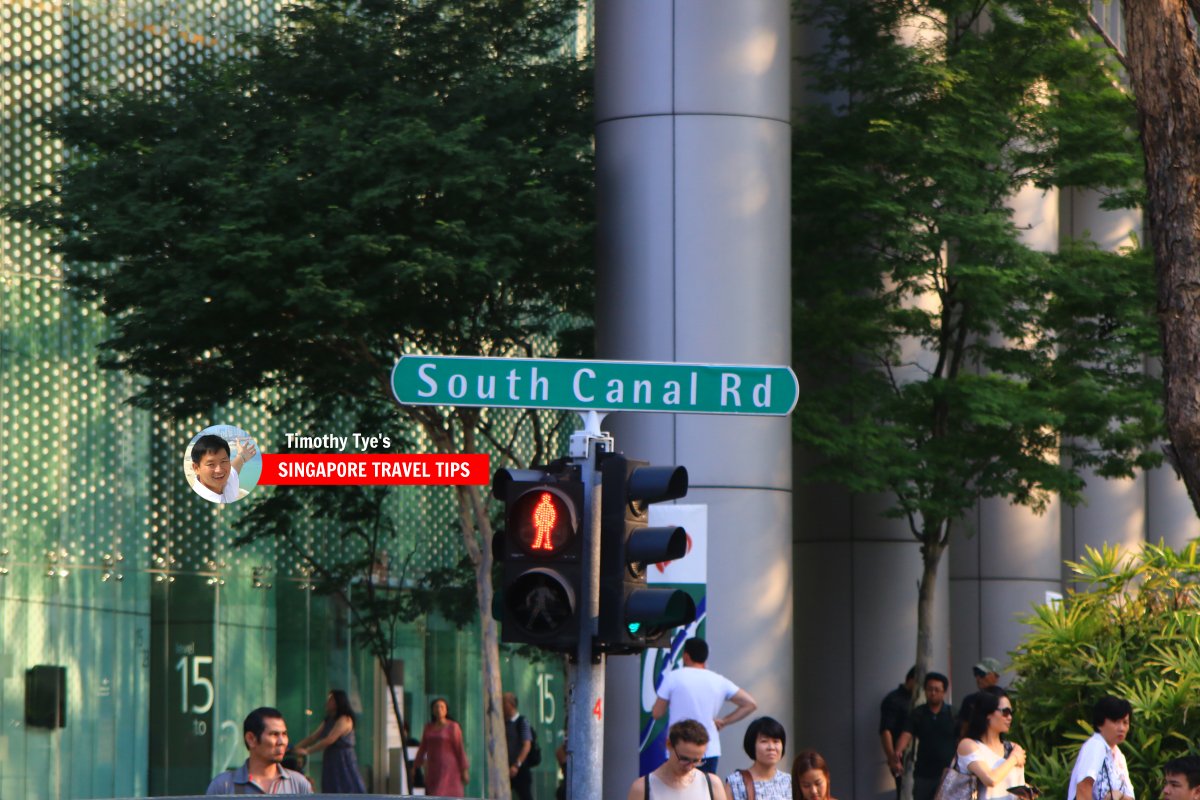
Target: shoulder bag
(957, 785)
(748, 781)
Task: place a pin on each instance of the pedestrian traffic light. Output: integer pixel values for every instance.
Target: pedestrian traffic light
(540, 548)
(634, 616)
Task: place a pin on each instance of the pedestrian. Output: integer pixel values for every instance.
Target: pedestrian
(520, 745)
(893, 711)
(810, 777)
(696, 692)
(266, 738)
(335, 735)
(1181, 779)
(999, 765)
(764, 742)
(1100, 771)
(441, 754)
(987, 675)
(932, 725)
(678, 778)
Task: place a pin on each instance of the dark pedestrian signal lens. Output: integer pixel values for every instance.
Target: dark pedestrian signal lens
(540, 604)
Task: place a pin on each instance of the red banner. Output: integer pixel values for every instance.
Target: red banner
(374, 469)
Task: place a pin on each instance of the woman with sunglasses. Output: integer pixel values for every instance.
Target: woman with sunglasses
(999, 765)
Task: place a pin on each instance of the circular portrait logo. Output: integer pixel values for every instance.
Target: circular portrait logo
(222, 464)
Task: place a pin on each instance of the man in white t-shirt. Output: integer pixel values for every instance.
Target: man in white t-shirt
(696, 692)
(1100, 771)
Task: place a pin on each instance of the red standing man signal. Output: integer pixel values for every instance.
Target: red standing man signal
(544, 518)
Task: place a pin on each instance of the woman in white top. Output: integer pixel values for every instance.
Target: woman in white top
(1100, 771)
(764, 742)
(982, 752)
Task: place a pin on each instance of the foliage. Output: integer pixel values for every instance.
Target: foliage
(1132, 634)
(944, 359)
(380, 590)
(375, 177)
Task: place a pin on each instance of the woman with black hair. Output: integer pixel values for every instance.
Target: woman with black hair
(442, 754)
(339, 768)
(999, 765)
(764, 742)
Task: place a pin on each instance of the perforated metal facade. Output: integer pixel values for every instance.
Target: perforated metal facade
(110, 566)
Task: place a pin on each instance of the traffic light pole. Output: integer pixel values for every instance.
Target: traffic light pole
(585, 722)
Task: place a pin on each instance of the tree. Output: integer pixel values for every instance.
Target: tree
(945, 361)
(373, 177)
(1163, 64)
(1132, 634)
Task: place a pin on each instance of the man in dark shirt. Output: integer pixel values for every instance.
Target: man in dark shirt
(893, 711)
(987, 674)
(932, 724)
(520, 743)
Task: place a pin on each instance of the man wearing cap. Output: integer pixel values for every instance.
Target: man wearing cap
(987, 673)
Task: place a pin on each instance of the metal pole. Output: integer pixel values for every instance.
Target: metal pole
(585, 723)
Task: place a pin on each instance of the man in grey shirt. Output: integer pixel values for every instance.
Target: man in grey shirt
(266, 737)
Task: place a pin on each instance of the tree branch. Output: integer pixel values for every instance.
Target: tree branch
(1108, 40)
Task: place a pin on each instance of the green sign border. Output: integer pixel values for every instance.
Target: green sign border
(755, 387)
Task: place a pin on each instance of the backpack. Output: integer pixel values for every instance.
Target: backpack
(535, 752)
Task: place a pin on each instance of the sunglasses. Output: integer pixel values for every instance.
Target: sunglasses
(688, 761)
(1005, 712)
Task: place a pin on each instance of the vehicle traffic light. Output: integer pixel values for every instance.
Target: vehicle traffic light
(634, 616)
(540, 548)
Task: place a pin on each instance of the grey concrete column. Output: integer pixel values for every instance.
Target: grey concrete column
(856, 594)
(856, 629)
(1169, 513)
(693, 170)
(1113, 511)
(1009, 564)
(1013, 556)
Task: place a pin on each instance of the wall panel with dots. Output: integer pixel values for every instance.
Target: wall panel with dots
(109, 563)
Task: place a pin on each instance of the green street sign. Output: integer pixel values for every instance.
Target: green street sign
(594, 385)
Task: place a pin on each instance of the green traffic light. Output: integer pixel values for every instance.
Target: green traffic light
(634, 627)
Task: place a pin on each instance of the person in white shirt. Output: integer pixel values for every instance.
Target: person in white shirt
(216, 472)
(1100, 771)
(696, 692)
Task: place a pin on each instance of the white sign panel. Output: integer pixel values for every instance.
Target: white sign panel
(693, 567)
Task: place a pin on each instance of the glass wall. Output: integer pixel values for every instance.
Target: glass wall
(134, 636)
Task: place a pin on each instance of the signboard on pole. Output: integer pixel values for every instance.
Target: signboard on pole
(664, 387)
(689, 573)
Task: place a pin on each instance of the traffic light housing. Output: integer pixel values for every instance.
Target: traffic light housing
(540, 548)
(633, 615)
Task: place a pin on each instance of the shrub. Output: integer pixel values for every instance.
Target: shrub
(1134, 633)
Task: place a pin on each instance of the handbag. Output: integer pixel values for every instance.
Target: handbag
(957, 785)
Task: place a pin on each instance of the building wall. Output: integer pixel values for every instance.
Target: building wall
(110, 566)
